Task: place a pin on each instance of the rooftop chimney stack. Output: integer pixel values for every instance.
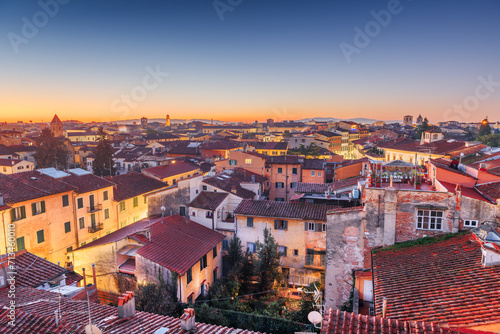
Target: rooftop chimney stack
(188, 319)
(2, 201)
(126, 305)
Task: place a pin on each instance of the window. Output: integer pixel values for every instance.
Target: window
(279, 199)
(69, 249)
(214, 252)
(83, 244)
(182, 211)
(67, 227)
(280, 224)
(18, 213)
(20, 244)
(136, 202)
(123, 223)
(190, 299)
(311, 226)
(429, 220)
(146, 198)
(37, 208)
(293, 185)
(81, 222)
(215, 274)
(251, 247)
(294, 171)
(470, 223)
(106, 213)
(79, 202)
(225, 244)
(233, 162)
(65, 200)
(40, 237)
(105, 195)
(280, 170)
(249, 221)
(309, 257)
(204, 188)
(92, 219)
(313, 173)
(319, 174)
(136, 218)
(248, 161)
(122, 206)
(280, 185)
(282, 250)
(295, 252)
(189, 276)
(203, 262)
(314, 227)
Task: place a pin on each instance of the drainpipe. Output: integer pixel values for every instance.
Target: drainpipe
(76, 220)
(213, 220)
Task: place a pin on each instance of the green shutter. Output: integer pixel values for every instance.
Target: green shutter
(23, 212)
(33, 209)
(285, 224)
(43, 206)
(275, 224)
(12, 215)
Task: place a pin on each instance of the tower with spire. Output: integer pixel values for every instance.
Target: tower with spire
(167, 123)
(56, 126)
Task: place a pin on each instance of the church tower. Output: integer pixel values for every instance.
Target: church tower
(56, 126)
(168, 121)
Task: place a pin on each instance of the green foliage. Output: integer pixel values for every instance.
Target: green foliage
(484, 129)
(51, 151)
(286, 134)
(267, 262)
(306, 304)
(422, 128)
(158, 298)
(349, 304)
(311, 150)
(103, 162)
(492, 139)
(421, 241)
(248, 321)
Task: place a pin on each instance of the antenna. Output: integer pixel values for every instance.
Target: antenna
(315, 318)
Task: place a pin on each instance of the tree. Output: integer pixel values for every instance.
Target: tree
(51, 151)
(267, 261)
(103, 162)
(422, 128)
(156, 298)
(484, 129)
(490, 140)
(286, 134)
(234, 252)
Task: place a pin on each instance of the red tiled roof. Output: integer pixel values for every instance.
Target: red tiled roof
(305, 211)
(208, 200)
(442, 282)
(9, 162)
(33, 271)
(35, 314)
(30, 185)
(126, 231)
(467, 192)
(353, 162)
(336, 321)
(313, 188)
(221, 145)
(438, 147)
(128, 267)
(87, 182)
(177, 243)
(444, 164)
(273, 145)
(229, 179)
(313, 164)
(492, 190)
(133, 184)
(179, 167)
(283, 160)
(55, 119)
(346, 182)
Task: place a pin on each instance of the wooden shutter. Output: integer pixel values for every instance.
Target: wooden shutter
(12, 215)
(285, 224)
(306, 226)
(33, 209)
(318, 227)
(275, 224)
(23, 212)
(43, 206)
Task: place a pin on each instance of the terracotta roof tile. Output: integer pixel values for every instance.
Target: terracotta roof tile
(208, 200)
(133, 184)
(442, 282)
(467, 192)
(304, 211)
(179, 167)
(492, 190)
(87, 183)
(177, 243)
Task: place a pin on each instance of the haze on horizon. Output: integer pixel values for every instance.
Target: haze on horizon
(249, 60)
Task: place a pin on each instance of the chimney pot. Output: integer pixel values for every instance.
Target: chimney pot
(188, 319)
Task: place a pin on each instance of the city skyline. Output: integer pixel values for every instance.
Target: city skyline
(247, 61)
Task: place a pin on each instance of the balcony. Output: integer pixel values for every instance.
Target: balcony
(95, 228)
(94, 208)
(301, 280)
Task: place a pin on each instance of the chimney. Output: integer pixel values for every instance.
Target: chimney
(84, 278)
(188, 319)
(2, 201)
(93, 274)
(233, 189)
(126, 305)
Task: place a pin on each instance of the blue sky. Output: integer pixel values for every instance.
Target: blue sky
(263, 60)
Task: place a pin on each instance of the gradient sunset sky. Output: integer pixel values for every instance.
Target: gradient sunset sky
(256, 60)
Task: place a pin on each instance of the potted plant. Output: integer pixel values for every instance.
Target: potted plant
(385, 177)
(417, 184)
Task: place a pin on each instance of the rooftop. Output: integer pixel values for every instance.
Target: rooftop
(133, 184)
(442, 282)
(283, 209)
(208, 200)
(173, 169)
(87, 182)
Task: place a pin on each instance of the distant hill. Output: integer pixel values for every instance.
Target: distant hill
(357, 120)
(173, 121)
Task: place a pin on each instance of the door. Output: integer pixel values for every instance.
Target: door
(92, 205)
(368, 291)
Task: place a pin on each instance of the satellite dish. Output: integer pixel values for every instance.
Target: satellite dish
(462, 154)
(315, 317)
(92, 329)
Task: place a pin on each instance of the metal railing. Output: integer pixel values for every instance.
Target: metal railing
(301, 280)
(94, 208)
(96, 227)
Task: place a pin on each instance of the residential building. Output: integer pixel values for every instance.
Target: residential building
(172, 173)
(11, 166)
(351, 168)
(249, 160)
(216, 150)
(130, 196)
(283, 173)
(298, 228)
(270, 148)
(313, 171)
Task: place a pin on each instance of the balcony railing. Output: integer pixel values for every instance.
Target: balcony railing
(301, 280)
(94, 208)
(96, 227)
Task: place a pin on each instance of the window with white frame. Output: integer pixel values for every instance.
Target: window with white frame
(470, 223)
(251, 247)
(430, 219)
(282, 250)
(313, 173)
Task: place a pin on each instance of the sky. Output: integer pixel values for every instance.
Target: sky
(242, 60)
